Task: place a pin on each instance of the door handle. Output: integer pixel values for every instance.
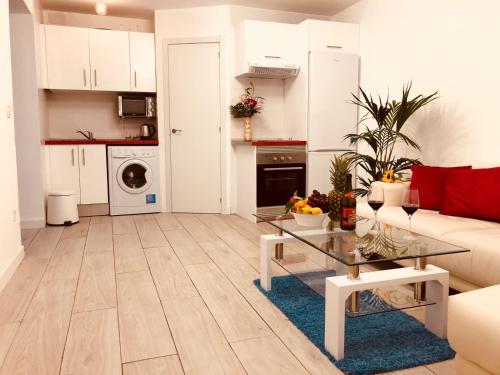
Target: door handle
(135, 78)
(83, 156)
(95, 77)
(73, 157)
(84, 77)
(334, 47)
(176, 131)
(272, 57)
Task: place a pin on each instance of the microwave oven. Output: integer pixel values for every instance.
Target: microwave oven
(136, 106)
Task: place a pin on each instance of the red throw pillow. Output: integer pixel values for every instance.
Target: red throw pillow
(430, 182)
(473, 193)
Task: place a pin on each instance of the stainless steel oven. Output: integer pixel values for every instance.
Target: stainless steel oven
(280, 172)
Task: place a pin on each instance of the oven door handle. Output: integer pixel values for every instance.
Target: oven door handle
(283, 169)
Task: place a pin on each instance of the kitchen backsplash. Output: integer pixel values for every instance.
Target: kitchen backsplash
(71, 111)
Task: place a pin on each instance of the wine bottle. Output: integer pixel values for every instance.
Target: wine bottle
(348, 206)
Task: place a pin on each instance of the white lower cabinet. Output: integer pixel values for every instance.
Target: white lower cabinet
(63, 167)
(79, 168)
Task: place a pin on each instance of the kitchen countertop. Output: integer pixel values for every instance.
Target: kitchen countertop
(125, 142)
(268, 142)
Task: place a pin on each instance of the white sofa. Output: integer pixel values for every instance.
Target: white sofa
(474, 331)
(468, 271)
(474, 316)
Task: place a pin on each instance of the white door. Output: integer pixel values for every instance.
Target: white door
(109, 60)
(93, 174)
(333, 77)
(67, 51)
(142, 62)
(63, 170)
(194, 102)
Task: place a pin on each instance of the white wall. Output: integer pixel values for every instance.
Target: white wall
(68, 112)
(10, 235)
(446, 45)
(220, 21)
(27, 128)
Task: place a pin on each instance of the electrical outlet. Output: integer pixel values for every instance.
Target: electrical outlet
(8, 111)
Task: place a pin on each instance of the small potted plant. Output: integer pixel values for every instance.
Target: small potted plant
(381, 165)
(247, 106)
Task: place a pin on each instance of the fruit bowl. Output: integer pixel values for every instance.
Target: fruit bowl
(308, 220)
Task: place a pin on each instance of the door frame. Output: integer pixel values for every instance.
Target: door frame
(224, 137)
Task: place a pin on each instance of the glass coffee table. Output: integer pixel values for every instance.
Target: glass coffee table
(340, 281)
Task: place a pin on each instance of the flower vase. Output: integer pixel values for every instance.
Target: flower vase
(248, 129)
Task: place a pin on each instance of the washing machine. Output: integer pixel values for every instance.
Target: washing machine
(134, 185)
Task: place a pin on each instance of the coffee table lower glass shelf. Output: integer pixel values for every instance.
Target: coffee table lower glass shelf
(328, 260)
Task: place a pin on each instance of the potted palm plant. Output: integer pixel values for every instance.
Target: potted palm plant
(381, 164)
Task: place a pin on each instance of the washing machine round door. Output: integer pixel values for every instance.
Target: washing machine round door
(134, 176)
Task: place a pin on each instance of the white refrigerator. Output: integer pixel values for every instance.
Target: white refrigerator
(333, 77)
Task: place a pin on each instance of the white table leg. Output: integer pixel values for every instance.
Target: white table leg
(334, 320)
(338, 288)
(436, 315)
(266, 248)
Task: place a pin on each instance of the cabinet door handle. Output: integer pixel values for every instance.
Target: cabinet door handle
(95, 77)
(73, 157)
(84, 77)
(83, 156)
(272, 57)
(334, 47)
(135, 78)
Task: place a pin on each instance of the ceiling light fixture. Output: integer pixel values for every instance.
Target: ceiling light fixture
(101, 8)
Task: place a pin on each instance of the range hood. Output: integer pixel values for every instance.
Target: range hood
(269, 69)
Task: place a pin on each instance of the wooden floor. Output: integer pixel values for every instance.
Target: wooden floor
(152, 295)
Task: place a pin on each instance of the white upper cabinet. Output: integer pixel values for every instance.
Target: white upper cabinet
(68, 64)
(333, 36)
(100, 60)
(265, 43)
(142, 62)
(109, 60)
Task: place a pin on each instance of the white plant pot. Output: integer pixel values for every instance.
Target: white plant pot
(393, 192)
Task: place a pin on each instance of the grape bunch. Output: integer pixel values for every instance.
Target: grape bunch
(319, 200)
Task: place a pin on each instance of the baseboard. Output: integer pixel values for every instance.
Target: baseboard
(33, 224)
(11, 268)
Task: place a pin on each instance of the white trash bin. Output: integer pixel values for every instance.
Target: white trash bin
(62, 208)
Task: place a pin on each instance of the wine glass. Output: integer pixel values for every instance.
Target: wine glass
(411, 203)
(375, 201)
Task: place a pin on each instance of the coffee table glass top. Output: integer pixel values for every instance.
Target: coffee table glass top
(364, 245)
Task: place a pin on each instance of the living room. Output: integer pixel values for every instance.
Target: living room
(190, 286)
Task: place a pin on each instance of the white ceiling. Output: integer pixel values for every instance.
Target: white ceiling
(145, 8)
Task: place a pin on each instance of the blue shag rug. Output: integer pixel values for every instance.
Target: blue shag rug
(374, 343)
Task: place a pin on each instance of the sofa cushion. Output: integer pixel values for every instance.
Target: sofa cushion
(473, 193)
(426, 222)
(474, 327)
(485, 258)
(430, 182)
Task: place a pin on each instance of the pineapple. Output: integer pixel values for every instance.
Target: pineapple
(338, 171)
